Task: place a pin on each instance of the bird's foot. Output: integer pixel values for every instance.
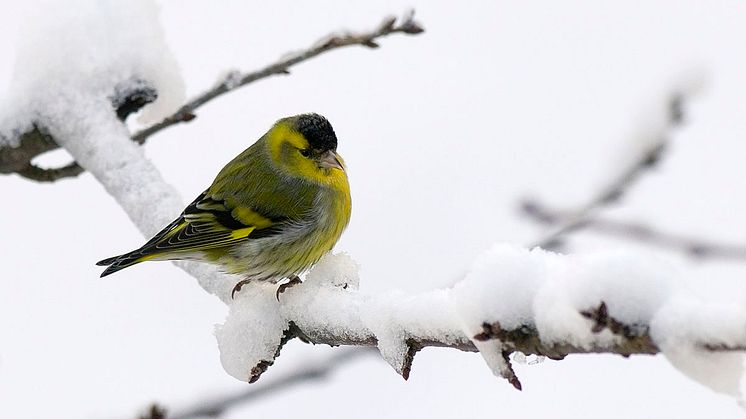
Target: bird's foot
(294, 280)
(237, 287)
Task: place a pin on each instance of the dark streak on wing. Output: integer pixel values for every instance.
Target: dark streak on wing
(223, 215)
(214, 230)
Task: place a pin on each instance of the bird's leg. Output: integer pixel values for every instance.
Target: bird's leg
(294, 280)
(237, 287)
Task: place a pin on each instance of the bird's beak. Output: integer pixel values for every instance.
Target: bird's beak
(330, 160)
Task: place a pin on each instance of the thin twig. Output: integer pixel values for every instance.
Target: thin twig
(690, 245)
(235, 80)
(566, 221)
(619, 185)
(127, 100)
(34, 172)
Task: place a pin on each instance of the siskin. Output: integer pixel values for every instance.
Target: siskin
(270, 214)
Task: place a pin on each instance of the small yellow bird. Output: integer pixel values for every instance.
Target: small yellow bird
(270, 214)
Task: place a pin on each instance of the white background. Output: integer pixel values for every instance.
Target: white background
(443, 133)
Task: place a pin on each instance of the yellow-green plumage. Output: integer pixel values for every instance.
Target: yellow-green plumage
(270, 213)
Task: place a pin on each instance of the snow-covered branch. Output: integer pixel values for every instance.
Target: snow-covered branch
(513, 300)
(126, 100)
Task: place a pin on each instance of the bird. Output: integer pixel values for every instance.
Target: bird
(269, 215)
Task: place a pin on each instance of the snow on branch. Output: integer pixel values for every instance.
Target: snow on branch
(127, 99)
(513, 300)
(535, 302)
(20, 146)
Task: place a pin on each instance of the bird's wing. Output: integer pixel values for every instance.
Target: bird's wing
(206, 224)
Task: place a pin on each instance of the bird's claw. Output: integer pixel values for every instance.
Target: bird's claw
(237, 287)
(294, 280)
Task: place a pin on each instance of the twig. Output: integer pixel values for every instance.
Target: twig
(235, 80)
(128, 100)
(690, 245)
(30, 144)
(154, 411)
(34, 172)
(618, 186)
(313, 372)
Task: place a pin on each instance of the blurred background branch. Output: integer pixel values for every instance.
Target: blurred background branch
(619, 185)
(313, 370)
(690, 245)
(565, 221)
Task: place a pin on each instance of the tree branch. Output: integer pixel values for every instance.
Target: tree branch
(31, 144)
(612, 192)
(33, 172)
(127, 99)
(234, 80)
(693, 246)
(328, 315)
(313, 371)
(133, 96)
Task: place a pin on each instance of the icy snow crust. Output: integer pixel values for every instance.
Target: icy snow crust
(507, 285)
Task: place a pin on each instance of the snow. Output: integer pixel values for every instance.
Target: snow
(686, 321)
(98, 37)
(252, 332)
(75, 106)
(231, 79)
(633, 287)
(326, 300)
(394, 317)
(501, 286)
(560, 147)
(508, 286)
(337, 270)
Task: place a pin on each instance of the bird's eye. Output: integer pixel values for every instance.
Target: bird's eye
(305, 152)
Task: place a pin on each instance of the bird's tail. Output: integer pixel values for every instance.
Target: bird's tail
(120, 262)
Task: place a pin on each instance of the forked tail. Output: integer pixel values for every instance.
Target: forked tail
(120, 262)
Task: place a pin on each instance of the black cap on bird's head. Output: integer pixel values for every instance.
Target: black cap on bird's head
(317, 130)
